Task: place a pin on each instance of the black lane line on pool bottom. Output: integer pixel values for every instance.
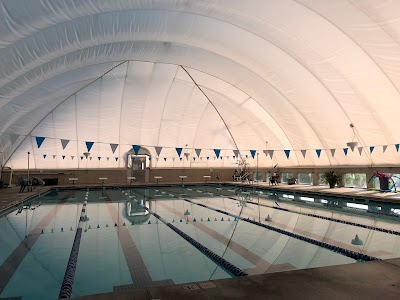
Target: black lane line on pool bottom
(66, 287)
(342, 251)
(221, 262)
(394, 232)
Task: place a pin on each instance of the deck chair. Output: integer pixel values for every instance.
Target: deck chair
(23, 183)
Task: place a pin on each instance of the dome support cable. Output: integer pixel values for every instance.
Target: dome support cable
(205, 95)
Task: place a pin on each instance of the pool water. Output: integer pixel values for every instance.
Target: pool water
(124, 246)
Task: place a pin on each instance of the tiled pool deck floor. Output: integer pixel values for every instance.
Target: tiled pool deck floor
(372, 280)
(368, 280)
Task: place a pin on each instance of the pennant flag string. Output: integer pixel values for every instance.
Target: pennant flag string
(65, 142)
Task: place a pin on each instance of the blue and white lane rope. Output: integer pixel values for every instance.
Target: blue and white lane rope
(66, 287)
(221, 262)
(342, 251)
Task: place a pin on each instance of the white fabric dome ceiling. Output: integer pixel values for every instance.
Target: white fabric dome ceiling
(293, 74)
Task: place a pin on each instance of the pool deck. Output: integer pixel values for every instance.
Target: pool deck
(368, 280)
(10, 197)
(357, 193)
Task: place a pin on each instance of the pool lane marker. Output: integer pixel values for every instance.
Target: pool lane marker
(11, 264)
(339, 250)
(394, 232)
(139, 273)
(260, 264)
(66, 287)
(221, 262)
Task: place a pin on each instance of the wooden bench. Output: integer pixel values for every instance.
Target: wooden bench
(73, 180)
(131, 179)
(183, 178)
(103, 180)
(207, 178)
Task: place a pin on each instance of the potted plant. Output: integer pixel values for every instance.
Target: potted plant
(332, 178)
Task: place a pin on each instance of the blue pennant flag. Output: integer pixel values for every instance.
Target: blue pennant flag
(179, 151)
(221, 157)
(149, 158)
(217, 152)
(116, 159)
(371, 149)
(397, 147)
(39, 141)
(81, 157)
(247, 156)
(345, 150)
(180, 158)
(208, 157)
(287, 152)
(136, 149)
(44, 155)
(318, 152)
(165, 159)
(63, 157)
(194, 158)
(253, 153)
(99, 157)
(89, 146)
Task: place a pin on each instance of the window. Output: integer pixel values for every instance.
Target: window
(285, 176)
(320, 179)
(267, 177)
(258, 176)
(305, 178)
(358, 180)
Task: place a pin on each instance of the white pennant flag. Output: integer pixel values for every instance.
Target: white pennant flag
(13, 138)
(304, 153)
(198, 151)
(113, 147)
(72, 157)
(265, 152)
(64, 143)
(158, 150)
(271, 153)
(384, 148)
(333, 152)
(236, 153)
(360, 149)
(108, 158)
(54, 156)
(90, 158)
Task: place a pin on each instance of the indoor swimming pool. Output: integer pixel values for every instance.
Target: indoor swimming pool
(151, 236)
